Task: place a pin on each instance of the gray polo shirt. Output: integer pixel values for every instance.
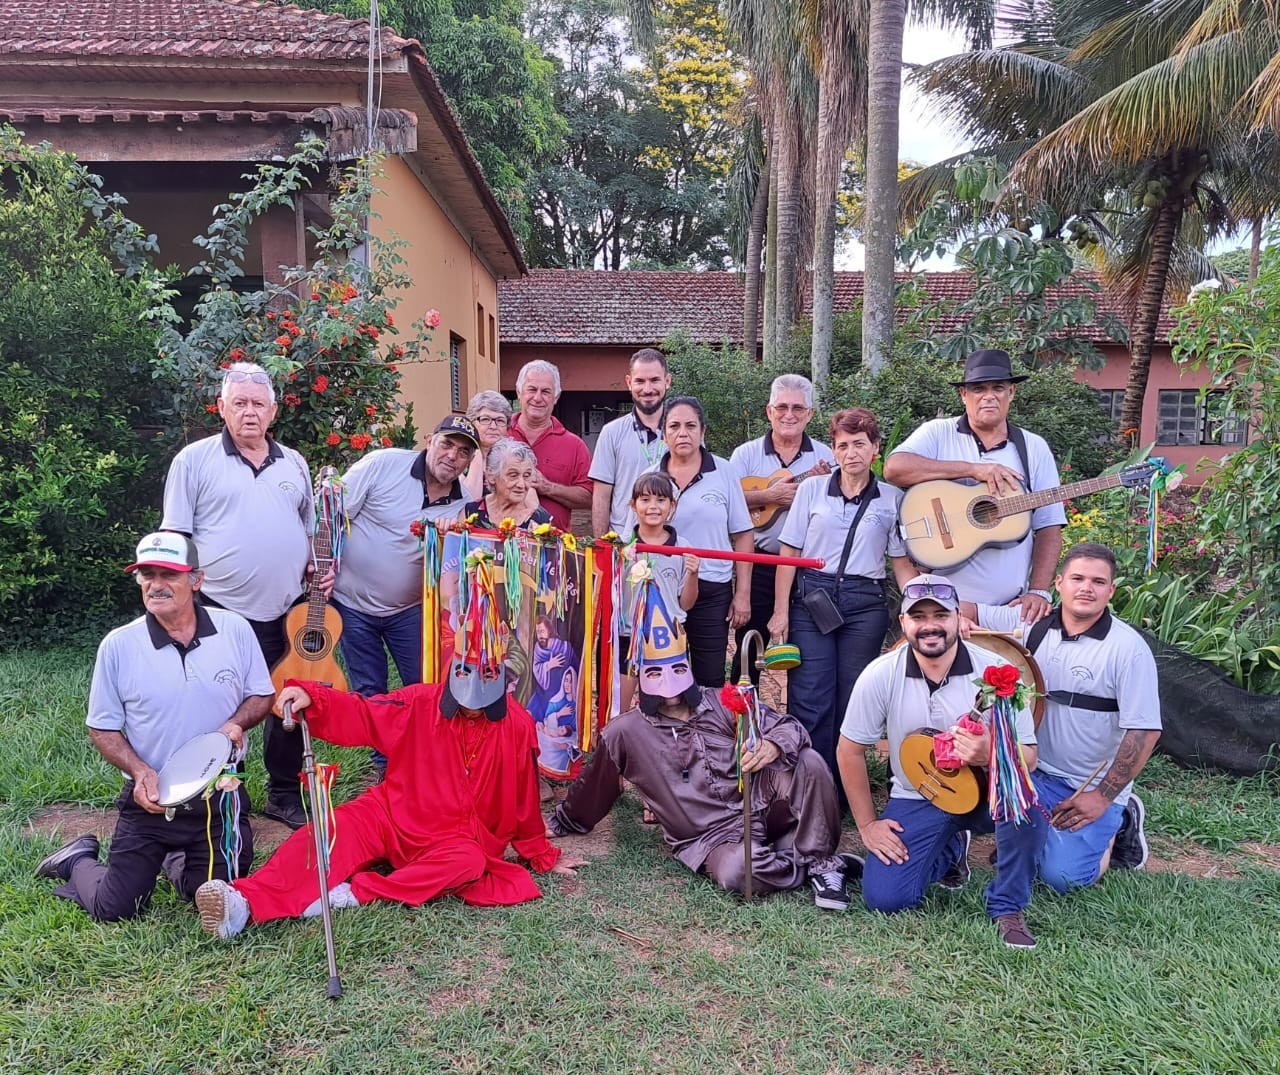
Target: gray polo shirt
(668, 573)
(252, 526)
(708, 510)
(821, 515)
(625, 449)
(892, 698)
(160, 695)
(759, 459)
(1108, 662)
(994, 575)
(381, 570)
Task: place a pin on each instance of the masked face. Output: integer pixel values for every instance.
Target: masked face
(469, 687)
(666, 680)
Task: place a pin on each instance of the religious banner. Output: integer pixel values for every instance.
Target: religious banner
(557, 600)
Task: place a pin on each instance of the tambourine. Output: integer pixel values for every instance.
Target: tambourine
(191, 769)
(781, 656)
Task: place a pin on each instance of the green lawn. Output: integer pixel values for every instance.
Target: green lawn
(1148, 973)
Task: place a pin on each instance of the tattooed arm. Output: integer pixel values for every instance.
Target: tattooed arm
(1086, 806)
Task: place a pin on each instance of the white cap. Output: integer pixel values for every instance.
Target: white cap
(165, 548)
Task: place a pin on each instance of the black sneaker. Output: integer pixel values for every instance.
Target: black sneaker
(58, 865)
(829, 891)
(1130, 851)
(288, 811)
(853, 866)
(958, 876)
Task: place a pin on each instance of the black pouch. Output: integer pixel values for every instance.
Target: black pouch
(826, 616)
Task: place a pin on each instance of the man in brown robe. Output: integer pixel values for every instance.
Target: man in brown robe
(679, 749)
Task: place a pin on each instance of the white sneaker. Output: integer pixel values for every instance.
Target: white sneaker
(340, 896)
(223, 911)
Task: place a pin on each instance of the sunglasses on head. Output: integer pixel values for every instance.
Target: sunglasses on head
(914, 591)
(236, 376)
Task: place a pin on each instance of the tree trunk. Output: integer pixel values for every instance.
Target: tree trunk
(788, 227)
(771, 260)
(1147, 315)
(1255, 247)
(824, 227)
(884, 93)
(755, 244)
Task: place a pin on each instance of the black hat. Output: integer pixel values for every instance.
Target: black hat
(989, 366)
(460, 426)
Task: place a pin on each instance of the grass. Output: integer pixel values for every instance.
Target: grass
(1146, 973)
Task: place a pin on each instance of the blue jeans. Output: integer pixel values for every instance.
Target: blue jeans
(1072, 859)
(929, 836)
(818, 690)
(362, 641)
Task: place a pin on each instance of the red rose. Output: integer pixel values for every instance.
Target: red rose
(320, 384)
(1004, 678)
(398, 351)
(333, 440)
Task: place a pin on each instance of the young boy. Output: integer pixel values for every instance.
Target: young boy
(653, 500)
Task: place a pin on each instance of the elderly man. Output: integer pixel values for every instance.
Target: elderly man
(630, 445)
(771, 469)
(929, 683)
(1101, 722)
(246, 501)
(983, 447)
(176, 672)
(561, 481)
(679, 748)
(379, 587)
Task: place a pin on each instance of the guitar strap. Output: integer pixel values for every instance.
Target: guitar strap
(1074, 699)
(1018, 438)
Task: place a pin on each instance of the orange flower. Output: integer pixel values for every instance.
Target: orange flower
(284, 341)
(360, 441)
(237, 354)
(370, 411)
(320, 384)
(386, 442)
(333, 440)
(212, 408)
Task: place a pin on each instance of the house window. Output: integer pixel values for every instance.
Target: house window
(457, 372)
(480, 329)
(493, 339)
(1111, 400)
(1186, 418)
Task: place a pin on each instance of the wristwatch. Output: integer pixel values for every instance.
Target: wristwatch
(1042, 593)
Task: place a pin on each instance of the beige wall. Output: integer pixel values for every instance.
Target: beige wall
(447, 277)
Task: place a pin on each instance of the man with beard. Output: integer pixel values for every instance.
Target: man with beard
(461, 785)
(679, 749)
(983, 447)
(177, 672)
(1101, 722)
(379, 587)
(786, 447)
(245, 499)
(630, 445)
(929, 683)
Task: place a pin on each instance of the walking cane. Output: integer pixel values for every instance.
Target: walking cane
(309, 769)
(744, 682)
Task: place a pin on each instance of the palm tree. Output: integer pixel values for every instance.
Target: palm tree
(1104, 118)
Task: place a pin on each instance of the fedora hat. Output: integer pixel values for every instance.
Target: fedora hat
(989, 366)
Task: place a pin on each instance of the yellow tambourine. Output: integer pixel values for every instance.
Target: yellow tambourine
(781, 657)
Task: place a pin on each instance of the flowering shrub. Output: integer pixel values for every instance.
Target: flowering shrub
(327, 335)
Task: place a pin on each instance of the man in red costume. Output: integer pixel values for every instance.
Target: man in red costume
(461, 784)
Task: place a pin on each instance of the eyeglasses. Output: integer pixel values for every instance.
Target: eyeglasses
(914, 591)
(789, 408)
(491, 420)
(238, 376)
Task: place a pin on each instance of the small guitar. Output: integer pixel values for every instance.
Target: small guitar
(762, 517)
(956, 791)
(944, 523)
(313, 627)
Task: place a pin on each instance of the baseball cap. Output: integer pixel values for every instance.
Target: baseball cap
(460, 425)
(930, 588)
(165, 548)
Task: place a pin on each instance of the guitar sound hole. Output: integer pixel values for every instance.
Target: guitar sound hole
(984, 512)
(314, 643)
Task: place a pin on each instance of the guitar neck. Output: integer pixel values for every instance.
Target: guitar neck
(1014, 505)
(322, 557)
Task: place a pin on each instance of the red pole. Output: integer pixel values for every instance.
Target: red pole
(719, 554)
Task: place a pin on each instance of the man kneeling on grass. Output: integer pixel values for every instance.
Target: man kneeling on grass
(461, 784)
(679, 749)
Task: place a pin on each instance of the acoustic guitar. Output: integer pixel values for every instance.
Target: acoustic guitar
(762, 517)
(944, 523)
(313, 627)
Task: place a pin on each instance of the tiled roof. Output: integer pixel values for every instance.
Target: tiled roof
(194, 29)
(582, 306)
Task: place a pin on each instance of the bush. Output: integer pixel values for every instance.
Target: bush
(79, 470)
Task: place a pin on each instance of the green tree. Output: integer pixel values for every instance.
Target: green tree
(80, 466)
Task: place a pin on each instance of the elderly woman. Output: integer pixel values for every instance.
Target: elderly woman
(711, 513)
(509, 474)
(837, 615)
(491, 413)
